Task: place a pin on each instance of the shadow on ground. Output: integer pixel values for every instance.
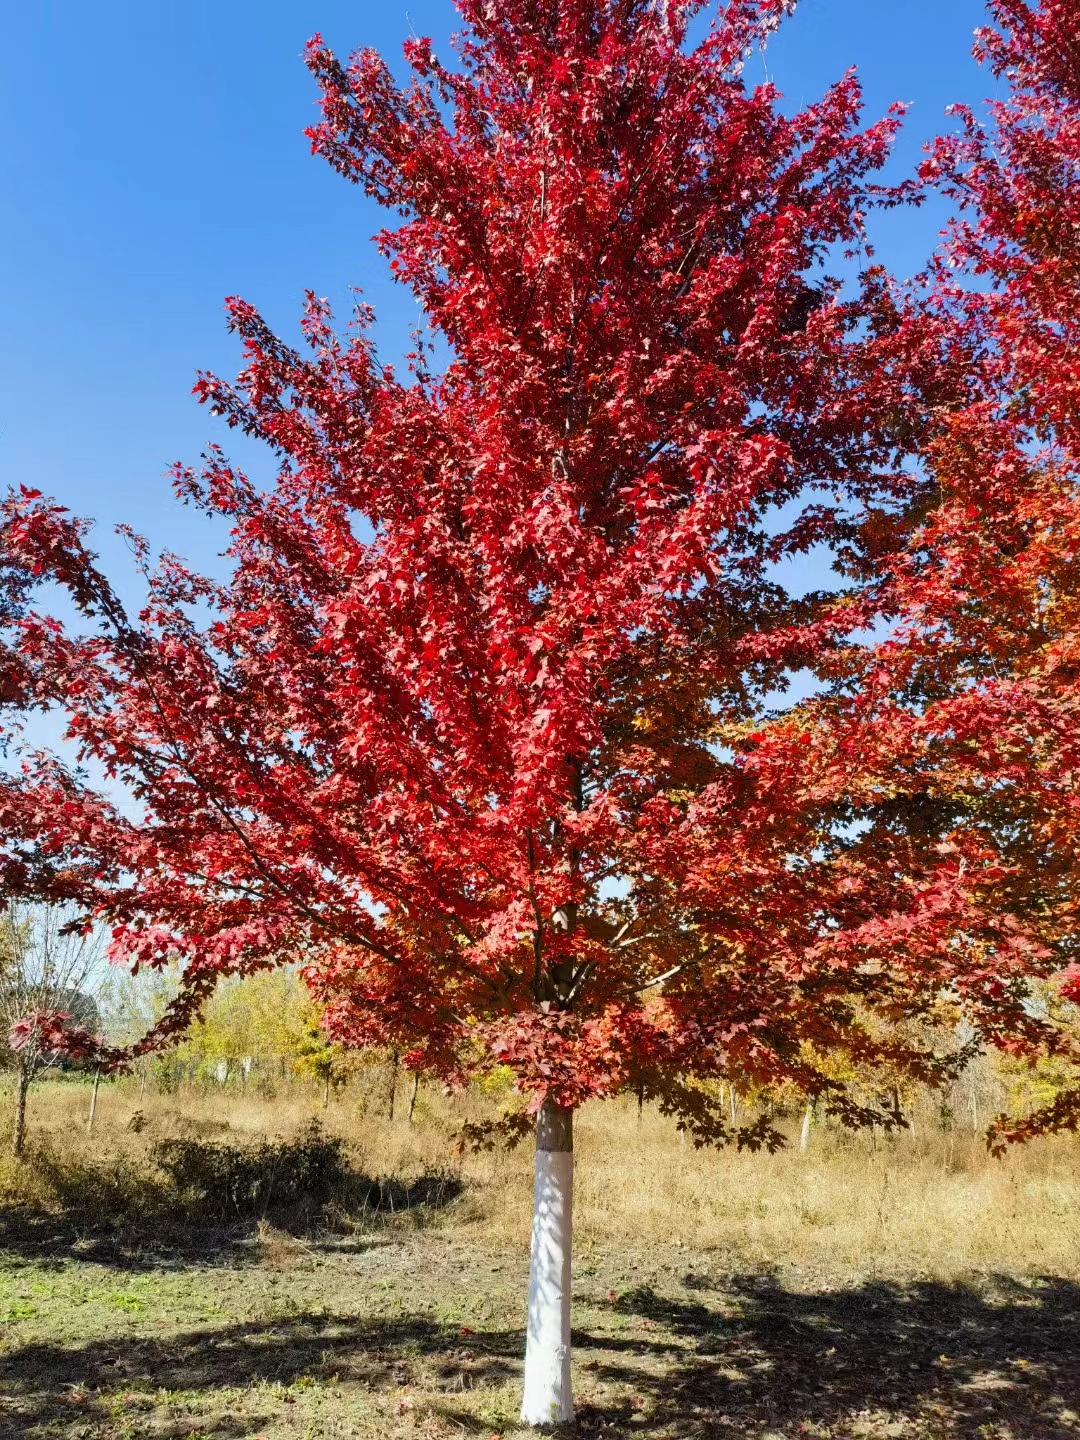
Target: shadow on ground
(166, 1234)
(38, 1381)
(921, 1359)
(747, 1358)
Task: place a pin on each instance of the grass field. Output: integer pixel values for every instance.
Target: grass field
(921, 1290)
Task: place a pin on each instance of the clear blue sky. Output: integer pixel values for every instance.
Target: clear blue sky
(153, 161)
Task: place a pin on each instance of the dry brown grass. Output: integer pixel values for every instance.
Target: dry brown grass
(935, 1205)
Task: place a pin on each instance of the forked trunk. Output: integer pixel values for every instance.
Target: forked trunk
(22, 1083)
(548, 1399)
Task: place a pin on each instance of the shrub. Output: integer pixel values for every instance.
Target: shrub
(219, 1181)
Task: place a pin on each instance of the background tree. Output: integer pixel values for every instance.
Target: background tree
(961, 726)
(267, 1024)
(1014, 567)
(481, 719)
(49, 967)
(293, 1030)
(245, 1020)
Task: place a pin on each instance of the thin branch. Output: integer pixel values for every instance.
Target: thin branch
(661, 978)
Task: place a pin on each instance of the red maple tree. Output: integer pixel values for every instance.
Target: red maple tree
(1003, 603)
(964, 721)
(479, 723)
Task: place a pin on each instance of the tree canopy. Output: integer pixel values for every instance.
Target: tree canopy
(484, 722)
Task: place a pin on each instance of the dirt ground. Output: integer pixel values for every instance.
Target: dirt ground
(418, 1332)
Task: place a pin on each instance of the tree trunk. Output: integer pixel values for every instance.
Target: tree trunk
(142, 1084)
(548, 1399)
(22, 1083)
(326, 1091)
(93, 1101)
(804, 1134)
(395, 1061)
(415, 1093)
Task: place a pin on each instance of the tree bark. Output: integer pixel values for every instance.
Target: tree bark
(93, 1101)
(395, 1062)
(548, 1398)
(415, 1093)
(22, 1083)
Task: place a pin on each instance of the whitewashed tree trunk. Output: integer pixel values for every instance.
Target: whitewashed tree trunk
(548, 1399)
(804, 1135)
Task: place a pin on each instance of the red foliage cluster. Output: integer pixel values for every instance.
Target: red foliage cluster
(50, 1033)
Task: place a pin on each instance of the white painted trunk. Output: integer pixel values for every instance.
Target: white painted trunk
(548, 1399)
(804, 1136)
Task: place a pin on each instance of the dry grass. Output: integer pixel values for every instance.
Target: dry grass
(939, 1208)
(935, 1205)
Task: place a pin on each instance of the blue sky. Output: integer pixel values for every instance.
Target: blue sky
(153, 161)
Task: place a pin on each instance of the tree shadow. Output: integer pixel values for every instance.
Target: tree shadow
(924, 1358)
(746, 1358)
(38, 1381)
